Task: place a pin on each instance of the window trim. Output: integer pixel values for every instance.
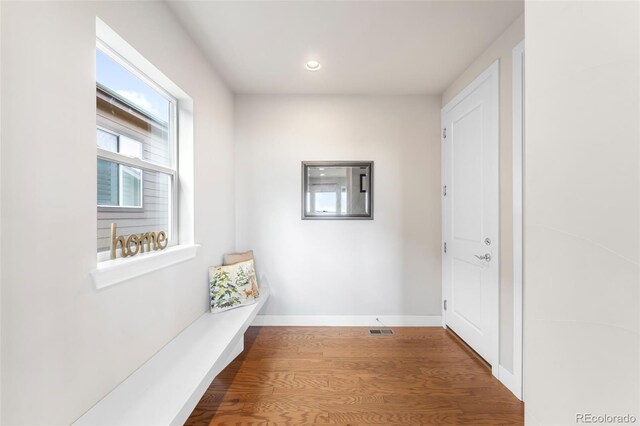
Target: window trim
(173, 125)
(110, 272)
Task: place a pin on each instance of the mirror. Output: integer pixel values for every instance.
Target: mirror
(337, 190)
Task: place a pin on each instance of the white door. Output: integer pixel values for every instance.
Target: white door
(470, 214)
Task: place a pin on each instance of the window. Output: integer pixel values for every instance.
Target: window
(119, 185)
(136, 141)
(325, 202)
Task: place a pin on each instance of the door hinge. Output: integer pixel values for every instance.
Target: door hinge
(444, 133)
(445, 304)
(445, 247)
(444, 190)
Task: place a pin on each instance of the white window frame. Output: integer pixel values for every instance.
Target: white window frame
(138, 163)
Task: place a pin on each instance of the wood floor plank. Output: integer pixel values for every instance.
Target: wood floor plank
(344, 376)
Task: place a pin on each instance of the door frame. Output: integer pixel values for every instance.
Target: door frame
(518, 85)
(491, 73)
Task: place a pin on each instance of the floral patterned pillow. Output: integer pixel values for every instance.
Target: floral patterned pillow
(231, 286)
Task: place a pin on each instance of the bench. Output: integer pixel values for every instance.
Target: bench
(166, 388)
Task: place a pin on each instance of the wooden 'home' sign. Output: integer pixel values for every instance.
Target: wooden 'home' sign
(135, 243)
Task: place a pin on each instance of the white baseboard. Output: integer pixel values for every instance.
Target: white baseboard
(349, 320)
(509, 380)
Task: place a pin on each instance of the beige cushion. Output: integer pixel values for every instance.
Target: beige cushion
(231, 286)
(231, 258)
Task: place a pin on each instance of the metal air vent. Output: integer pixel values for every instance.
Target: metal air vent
(380, 332)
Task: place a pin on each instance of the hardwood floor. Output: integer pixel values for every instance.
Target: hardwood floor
(342, 375)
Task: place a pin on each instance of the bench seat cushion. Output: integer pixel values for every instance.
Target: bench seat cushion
(231, 258)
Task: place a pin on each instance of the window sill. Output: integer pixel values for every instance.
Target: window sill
(111, 272)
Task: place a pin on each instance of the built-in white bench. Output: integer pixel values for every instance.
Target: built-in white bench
(166, 389)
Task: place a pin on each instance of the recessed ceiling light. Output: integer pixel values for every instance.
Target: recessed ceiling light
(313, 65)
(321, 174)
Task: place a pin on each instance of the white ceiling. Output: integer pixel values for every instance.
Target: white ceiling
(365, 47)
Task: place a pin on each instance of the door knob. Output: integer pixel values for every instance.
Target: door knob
(486, 257)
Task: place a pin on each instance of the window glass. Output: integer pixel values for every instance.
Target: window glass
(121, 81)
(136, 178)
(107, 183)
(131, 186)
(107, 141)
(130, 147)
(119, 185)
(325, 202)
(155, 215)
(132, 103)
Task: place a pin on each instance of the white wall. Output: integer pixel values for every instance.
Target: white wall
(387, 266)
(500, 50)
(582, 210)
(65, 345)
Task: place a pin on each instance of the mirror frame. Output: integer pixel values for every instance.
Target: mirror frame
(305, 167)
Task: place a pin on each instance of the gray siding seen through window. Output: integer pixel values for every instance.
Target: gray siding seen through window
(154, 214)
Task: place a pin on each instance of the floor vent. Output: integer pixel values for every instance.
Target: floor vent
(379, 332)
